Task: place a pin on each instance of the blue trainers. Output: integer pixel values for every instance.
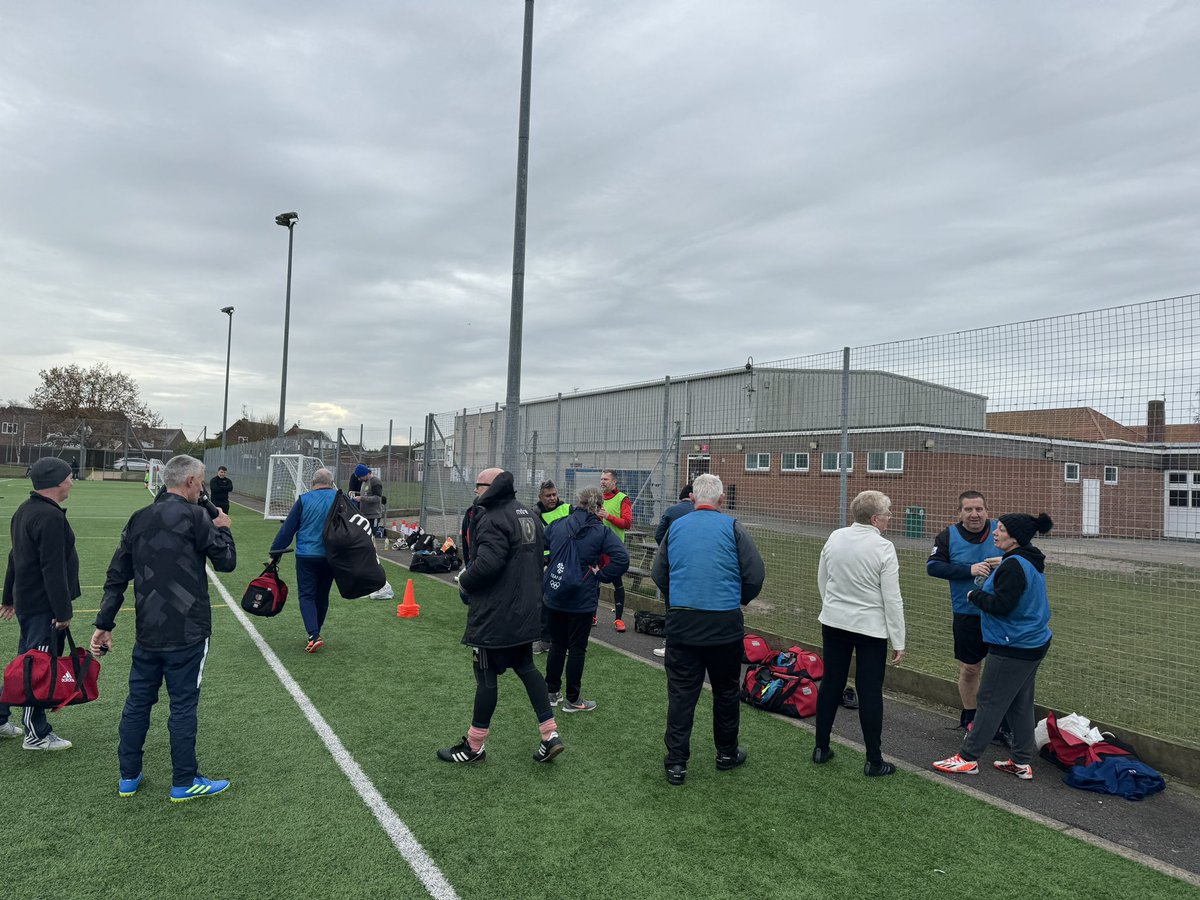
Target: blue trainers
(127, 787)
(200, 787)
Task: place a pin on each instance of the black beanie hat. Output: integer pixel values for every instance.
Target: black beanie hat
(48, 472)
(1023, 527)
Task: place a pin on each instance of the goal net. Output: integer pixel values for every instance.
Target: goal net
(288, 476)
(154, 477)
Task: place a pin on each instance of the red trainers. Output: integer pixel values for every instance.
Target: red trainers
(619, 625)
(956, 765)
(314, 645)
(1025, 773)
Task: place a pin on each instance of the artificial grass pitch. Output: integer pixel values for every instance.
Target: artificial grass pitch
(600, 821)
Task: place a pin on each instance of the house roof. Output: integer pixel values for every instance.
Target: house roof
(1080, 423)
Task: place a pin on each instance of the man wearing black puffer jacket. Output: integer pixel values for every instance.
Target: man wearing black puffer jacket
(502, 588)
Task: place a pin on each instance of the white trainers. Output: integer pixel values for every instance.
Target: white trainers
(50, 742)
(8, 729)
(660, 651)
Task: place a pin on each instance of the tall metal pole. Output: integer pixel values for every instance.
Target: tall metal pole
(228, 310)
(512, 402)
(845, 444)
(288, 221)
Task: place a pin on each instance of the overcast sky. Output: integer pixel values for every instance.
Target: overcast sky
(707, 181)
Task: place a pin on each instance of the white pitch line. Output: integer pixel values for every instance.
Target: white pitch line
(402, 837)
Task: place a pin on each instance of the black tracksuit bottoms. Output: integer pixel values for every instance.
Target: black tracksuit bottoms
(686, 666)
(871, 655)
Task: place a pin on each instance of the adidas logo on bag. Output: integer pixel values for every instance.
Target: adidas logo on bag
(67, 678)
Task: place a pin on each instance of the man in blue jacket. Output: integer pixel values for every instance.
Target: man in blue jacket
(571, 602)
(314, 576)
(708, 568)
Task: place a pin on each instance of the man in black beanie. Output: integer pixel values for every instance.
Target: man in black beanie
(40, 584)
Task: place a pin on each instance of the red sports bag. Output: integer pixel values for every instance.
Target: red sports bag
(789, 695)
(755, 650)
(40, 679)
(266, 594)
(797, 661)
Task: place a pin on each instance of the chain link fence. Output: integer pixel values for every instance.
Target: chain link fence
(1089, 417)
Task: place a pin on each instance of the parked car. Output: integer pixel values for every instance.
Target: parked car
(132, 464)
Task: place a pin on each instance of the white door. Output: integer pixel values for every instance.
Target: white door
(1181, 514)
(1091, 506)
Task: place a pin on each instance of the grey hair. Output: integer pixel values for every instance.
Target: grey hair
(590, 498)
(322, 477)
(707, 488)
(870, 503)
(179, 468)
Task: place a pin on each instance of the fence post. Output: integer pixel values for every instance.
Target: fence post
(845, 436)
(666, 437)
(492, 439)
(558, 473)
(337, 466)
(389, 462)
(425, 467)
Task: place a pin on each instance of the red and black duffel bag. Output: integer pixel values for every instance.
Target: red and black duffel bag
(47, 681)
(266, 594)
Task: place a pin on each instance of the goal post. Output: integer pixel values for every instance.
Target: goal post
(154, 476)
(288, 476)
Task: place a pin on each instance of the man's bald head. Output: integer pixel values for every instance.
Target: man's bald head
(484, 480)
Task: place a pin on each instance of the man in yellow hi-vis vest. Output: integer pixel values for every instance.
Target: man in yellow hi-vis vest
(618, 515)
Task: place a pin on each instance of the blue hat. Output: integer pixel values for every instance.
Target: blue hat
(360, 470)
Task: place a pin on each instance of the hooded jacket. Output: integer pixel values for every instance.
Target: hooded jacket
(503, 583)
(42, 577)
(1015, 610)
(595, 546)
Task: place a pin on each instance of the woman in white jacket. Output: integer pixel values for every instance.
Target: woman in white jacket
(861, 610)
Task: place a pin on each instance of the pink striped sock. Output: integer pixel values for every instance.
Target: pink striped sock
(476, 738)
(548, 729)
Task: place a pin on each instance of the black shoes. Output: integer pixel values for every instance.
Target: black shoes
(461, 753)
(727, 761)
(676, 774)
(548, 749)
(822, 755)
(879, 770)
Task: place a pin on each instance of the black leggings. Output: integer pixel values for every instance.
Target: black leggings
(487, 691)
(871, 655)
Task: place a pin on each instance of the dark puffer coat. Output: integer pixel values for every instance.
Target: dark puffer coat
(504, 579)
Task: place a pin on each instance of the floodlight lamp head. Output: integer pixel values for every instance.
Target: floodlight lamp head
(287, 219)
(228, 310)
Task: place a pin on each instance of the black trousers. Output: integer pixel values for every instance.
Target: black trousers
(871, 655)
(568, 643)
(686, 666)
(618, 587)
(489, 665)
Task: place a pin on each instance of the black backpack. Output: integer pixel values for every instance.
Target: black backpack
(435, 562)
(350, 550)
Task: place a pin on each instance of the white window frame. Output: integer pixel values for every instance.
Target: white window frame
(837, 461)
(1067, 472)
(1116, 475)
(8, 427)
(886, 462)
(758, 460)
(795, 456)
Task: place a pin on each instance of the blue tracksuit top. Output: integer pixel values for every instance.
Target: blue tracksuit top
(306, 523)
(1026, 626)
(964, 553)
(705, 572)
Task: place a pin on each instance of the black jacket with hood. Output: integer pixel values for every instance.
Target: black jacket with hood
(504, 579)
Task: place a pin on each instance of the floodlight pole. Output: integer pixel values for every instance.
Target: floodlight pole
(228, 310)
(512, 403)
(288, 221)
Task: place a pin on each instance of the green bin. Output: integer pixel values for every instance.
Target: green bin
(914, 521)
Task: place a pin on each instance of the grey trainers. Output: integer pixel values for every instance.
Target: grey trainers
(579, 705)
(8, 729)
(555, 698)
(50, 742)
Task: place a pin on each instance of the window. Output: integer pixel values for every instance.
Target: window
(1177, 478)
(243, 440)
(885, 461)
(1110, 474)
(8, 427)
(829, 462)
(758, 462)
(1071, 472)
(1177, 498)
(794, 462)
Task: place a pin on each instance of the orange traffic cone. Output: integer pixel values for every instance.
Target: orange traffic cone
(408, 609)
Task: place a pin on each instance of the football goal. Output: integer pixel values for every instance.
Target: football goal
(288, 476)
(154, 477)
